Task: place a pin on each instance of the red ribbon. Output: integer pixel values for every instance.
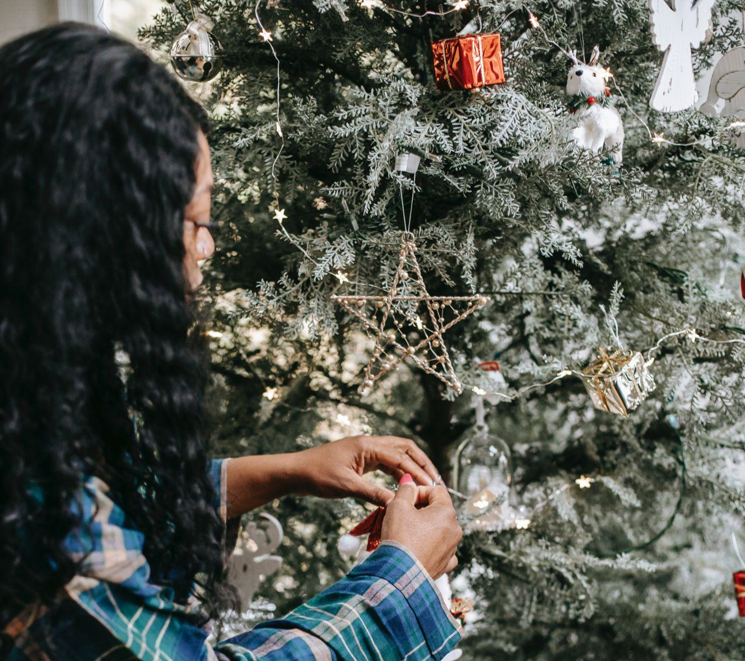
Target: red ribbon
(371, 525)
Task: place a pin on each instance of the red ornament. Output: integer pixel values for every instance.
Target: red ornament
(607, 91)
(469, 61)
(372, 526)
(591, 100)
(738, 582)
(490, 366)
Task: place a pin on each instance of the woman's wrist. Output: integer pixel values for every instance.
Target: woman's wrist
(295, 473)
(256, 480)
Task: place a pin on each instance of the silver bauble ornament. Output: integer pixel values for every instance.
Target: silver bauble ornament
(196, 54)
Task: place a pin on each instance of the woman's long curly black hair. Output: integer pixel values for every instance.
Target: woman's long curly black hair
(98, 146)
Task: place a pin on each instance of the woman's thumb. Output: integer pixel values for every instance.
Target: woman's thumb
(407, 490)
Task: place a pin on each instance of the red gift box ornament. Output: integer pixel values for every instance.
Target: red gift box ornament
(468, 61)
(738, 582)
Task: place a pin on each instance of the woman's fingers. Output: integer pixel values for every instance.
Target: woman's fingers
(371, 492)
(400, 455)
(398, 463)
(437, 495)
(410, 447)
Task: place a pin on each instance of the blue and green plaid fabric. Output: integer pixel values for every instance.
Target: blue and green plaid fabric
(386, 609)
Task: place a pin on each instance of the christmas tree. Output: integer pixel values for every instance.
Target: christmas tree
(616, 534)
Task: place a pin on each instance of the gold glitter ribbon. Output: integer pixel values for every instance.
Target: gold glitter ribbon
(606, 365)
(479, 58)
(480, 66)
(445, 63)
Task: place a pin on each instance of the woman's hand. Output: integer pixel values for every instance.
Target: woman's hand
(335, 470)
(332, 470)
(423, 520)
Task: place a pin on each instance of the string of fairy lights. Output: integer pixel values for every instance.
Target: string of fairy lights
(460, 5)
(691, 334)
(279, 213)
(521, 519)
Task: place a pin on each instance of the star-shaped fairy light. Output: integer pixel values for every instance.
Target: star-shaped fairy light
(400, 319)
(584, 482)
(265, 35)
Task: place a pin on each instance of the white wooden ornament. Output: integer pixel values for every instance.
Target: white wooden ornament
(251, 561)
(727, 85)
(676, 30)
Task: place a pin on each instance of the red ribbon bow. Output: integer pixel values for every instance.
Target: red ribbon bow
(371, 525)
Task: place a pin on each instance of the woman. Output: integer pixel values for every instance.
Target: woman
(106, 527)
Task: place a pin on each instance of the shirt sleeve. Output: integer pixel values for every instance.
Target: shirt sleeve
(387, 609)
(219, 476)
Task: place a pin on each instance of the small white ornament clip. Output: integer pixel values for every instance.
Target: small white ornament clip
(407, 163)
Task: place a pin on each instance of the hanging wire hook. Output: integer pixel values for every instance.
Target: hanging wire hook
(736, 548)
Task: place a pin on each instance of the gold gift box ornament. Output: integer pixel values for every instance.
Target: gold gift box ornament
(618, 383)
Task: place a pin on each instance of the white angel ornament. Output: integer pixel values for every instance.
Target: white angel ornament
(599, 122)
(676, 30)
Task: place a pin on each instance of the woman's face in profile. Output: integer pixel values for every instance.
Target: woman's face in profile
(198, 242)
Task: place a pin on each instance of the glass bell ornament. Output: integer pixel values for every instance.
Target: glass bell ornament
(196, 54)
(483, 474)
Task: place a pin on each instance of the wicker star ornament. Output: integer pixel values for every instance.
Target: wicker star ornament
(409, 323)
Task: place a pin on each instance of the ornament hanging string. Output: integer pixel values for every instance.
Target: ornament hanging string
(404, 164)
(736, 548)
(176, 10)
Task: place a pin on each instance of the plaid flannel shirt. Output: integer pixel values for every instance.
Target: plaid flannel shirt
(386, 609)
